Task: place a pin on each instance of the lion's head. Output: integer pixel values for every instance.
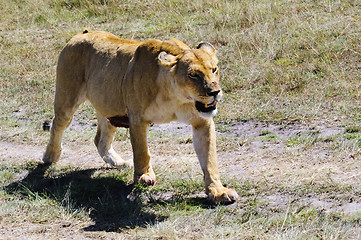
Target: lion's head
(196, 77)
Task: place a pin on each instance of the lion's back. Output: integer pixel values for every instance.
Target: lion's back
(101, 43)
(90, 51)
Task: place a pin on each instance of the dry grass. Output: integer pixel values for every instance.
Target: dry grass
(295, 64)
(280, 61)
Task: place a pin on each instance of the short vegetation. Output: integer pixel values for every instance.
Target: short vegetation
(289, 69)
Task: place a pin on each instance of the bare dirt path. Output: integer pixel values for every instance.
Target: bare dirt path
(247, 151)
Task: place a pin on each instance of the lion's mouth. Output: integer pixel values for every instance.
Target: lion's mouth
(201, 107)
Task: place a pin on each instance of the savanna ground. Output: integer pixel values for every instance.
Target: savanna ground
(289, 132)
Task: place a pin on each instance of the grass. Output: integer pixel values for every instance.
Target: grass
(283, 63)
(298, 65)
(53, 195)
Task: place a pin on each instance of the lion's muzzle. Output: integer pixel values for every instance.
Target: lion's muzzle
(209, 109)
(206, 108)
(213, 93)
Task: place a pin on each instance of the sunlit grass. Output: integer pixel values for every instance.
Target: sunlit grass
(281, 61)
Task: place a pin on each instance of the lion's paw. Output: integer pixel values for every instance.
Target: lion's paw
(115, 160)
(222, 195)
(148, 179)
(51, 155)
(123, 164)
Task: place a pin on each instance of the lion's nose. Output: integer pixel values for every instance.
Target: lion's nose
(212, 93)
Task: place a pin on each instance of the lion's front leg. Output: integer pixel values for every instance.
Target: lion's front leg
(143, 171)
(204, 140)
(103, 141)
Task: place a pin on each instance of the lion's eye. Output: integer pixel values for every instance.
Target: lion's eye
(194, 76)
(214, 70)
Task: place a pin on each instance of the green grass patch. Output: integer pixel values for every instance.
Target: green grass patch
(306, 139)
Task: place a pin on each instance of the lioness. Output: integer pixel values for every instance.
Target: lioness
(136, 83)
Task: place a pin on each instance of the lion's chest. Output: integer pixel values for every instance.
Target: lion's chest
(160, 112)
(167, 107)
(164, 109)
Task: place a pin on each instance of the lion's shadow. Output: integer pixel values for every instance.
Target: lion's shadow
(104, 197)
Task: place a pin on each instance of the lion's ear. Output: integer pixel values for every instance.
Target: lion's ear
(207, 47)
(167, 60)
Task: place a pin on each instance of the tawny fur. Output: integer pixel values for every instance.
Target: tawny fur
(132, 84)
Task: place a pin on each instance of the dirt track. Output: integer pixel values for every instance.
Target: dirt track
(242, 152)
(245, 153)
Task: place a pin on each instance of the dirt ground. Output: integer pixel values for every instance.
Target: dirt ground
(244, 153)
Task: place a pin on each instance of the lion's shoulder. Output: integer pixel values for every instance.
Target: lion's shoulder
(154, 47)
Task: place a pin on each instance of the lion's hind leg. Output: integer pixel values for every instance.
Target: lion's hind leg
(70, 93)
(53, 149)
(103, 141)
(64, 111)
